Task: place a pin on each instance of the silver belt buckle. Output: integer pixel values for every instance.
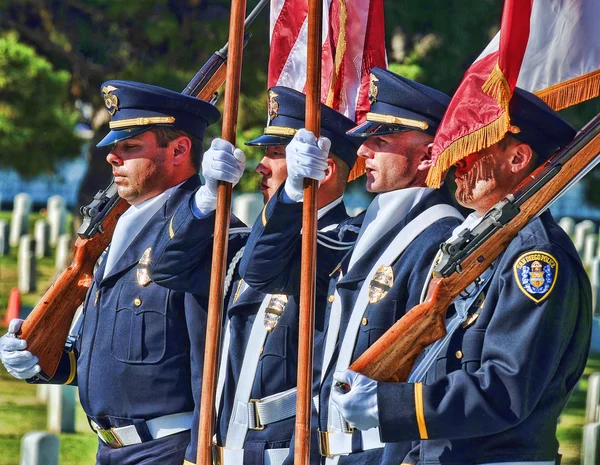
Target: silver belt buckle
(109, 437)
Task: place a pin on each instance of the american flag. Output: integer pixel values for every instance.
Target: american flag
(353, 43)
(549, 47)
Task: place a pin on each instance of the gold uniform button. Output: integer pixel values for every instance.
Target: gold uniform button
(331, 298)
(365, 321)
(137, 302)
(459, 354)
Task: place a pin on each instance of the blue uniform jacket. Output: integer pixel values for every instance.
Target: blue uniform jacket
(496, 392)
(410, 272)
(140, 354)
(277, 366)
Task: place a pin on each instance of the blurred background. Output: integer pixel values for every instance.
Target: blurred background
(54, 55)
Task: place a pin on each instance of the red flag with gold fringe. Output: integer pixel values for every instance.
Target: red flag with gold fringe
(353, 43)
(549, 48)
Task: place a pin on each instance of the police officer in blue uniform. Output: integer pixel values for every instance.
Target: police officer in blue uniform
(381, 276)
(137, 360)
(503, 376)
(257, 380)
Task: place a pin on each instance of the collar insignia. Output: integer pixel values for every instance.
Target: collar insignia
(274, 309)
(110, 100)
(142, 275)
(536, 273)
(273, 105)
(382, 282)
(373, 90)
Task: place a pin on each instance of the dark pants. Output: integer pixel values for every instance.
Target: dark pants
(169, 450)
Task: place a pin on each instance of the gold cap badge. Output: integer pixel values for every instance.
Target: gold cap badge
(142, 275)
(381, 283)
(110, 100)
(273, 105)
(373, 90)
(274, 310)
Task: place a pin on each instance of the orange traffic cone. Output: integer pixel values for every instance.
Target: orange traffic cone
(14, 305)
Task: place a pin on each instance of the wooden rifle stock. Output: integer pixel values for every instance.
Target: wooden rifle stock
(47, 326)
(392, 356)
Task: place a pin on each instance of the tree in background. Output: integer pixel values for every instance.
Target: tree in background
(36, 121)
(164, 42)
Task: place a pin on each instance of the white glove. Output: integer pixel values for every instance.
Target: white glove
(20, 363)
(305, 157)
(358, 406)
(222, 162)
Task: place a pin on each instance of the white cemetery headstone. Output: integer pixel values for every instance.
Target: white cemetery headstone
(27, 265)
(42, 392)
(568, 225)
(57, 217)
(4, 245)
(61, 409)
(247, 207)
(581, 231)
(19, 223)
(42, 235)
(39, 448)
(55, 201)
(592, 402)
(590, 451)
(595, 281)
(63, 252)
(589, 249)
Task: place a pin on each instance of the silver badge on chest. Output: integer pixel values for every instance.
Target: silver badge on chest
(382, 282)
(142, 275)
(274, 309)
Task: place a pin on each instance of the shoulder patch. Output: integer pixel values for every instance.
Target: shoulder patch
(536, 273)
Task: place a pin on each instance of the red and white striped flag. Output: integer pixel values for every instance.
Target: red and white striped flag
(549, 47)
(353, 43)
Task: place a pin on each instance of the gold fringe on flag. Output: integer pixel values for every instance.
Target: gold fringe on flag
(571, 92)
(481, 138)
(357, 170)
(340, 51)
(496, 86)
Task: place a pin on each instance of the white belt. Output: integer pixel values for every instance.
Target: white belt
(226, 456)
(336, 443)
(158, 428)
(273, 408)
(270, 409)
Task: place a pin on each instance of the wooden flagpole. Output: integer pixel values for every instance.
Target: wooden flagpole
(309, 243)
(221, 234)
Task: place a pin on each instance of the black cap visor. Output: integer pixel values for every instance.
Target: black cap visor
(371, 128)
(117, 136)
(267, 140)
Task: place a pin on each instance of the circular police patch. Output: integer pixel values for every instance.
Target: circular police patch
(536, 273)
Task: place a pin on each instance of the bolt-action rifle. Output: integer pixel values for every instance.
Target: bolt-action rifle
(467, 256)
(47, 327)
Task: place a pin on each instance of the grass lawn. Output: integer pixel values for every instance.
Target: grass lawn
(21, 412)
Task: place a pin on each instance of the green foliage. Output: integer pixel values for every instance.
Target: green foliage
(36, 121)
(164, 43)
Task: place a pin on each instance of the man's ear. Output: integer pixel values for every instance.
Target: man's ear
(330, 171)
(426, 162)
(181, 148)
(520, 156)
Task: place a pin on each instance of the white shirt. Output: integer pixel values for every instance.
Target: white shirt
(131, 223)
